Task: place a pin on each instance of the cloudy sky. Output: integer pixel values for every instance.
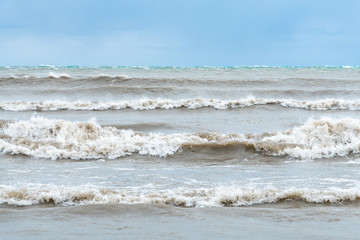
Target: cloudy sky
(179, 32)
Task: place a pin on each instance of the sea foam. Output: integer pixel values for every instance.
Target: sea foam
(59, 75)
(185, 197)
(57, 139)
(195, 103)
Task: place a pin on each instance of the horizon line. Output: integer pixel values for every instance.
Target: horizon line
(177, 67)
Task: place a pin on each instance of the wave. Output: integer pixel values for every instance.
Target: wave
(58, 139)
(56, 75)
(184, 197)
(195, 103)
(111, 79)
(59, 75)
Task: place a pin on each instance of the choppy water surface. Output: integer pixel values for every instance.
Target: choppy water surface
(182, 148)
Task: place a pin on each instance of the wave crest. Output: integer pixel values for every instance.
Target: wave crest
(56, 139)
(196, 103)
(59, 75)
(184, 197)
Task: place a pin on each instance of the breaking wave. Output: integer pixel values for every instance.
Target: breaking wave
(151, 104)
(58, 139)
(184, 197)
(59, 75)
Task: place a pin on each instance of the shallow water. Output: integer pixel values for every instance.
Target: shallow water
(163, 222)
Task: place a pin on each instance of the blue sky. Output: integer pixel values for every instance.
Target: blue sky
(179, 33)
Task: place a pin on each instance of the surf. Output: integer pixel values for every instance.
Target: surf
(167, 104)
(40, 137)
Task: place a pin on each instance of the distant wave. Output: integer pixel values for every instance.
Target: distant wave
(57, 139)
(184, 197)
(57, 75)
(195, 103)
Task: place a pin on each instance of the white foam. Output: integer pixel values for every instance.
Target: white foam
(56, 139)
(44, 138)
(187, 197)
(322, 138)
(121, 76)
(195, 103)
(59, 75)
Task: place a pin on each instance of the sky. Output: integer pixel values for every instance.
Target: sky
(180, 32)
